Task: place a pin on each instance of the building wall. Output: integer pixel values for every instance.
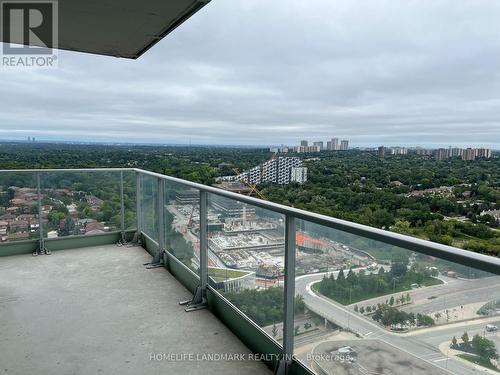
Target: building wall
(299, 174)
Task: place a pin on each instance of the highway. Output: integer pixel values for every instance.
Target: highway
(422, 346)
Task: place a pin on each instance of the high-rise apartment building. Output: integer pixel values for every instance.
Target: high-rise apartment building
(316, 146)
(423, 151)
(381, 151)
(442, 154)
(268, 170)
(469, 154)
(253, 176)
(276, 171)
(399, 150)
(284, 149)
(335, 143)
(319, 144)
(456, 152)
(284, 168)
(484, 153)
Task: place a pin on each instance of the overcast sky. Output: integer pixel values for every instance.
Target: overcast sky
(262, 72)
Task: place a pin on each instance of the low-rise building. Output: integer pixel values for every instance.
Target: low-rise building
(93, 201)
(3, 227)
(494, 213)
(94, 226)
(18, 226)
(188, 196)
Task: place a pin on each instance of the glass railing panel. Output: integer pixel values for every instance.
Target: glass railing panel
(182, 223)
(130, 202)
(18, 207)
(80, 203)
(246, 260)
(374, 308)
(149, 206)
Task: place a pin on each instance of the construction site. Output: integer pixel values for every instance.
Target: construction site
(247, 238)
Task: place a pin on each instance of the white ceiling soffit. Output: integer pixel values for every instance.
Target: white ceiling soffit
(120, 28)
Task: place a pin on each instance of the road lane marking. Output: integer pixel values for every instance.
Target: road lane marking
(440, 360)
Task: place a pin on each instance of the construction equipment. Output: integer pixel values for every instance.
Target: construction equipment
(190, 222)
(253, 187)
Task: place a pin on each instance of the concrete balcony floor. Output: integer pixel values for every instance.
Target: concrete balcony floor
(99, 311)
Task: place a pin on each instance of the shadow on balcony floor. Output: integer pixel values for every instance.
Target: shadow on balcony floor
(99, 311)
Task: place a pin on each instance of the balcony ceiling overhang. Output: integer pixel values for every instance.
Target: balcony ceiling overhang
(120, 28)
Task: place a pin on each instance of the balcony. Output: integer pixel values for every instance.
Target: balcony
(98, 310)
(116, 250)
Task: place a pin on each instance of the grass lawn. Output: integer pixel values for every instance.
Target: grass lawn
(430, 281)
(400, 288)
(479, 361)
(221, 274)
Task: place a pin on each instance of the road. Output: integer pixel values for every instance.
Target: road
(424, 346)
(455, 292)
(438, 335)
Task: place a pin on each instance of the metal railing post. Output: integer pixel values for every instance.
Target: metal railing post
(41, 242)
(160, 219)
(199, 300)
(203, 240)
(288, 320)
(138, 214)
(122, 209)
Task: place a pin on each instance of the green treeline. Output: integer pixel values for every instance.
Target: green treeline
(353, 185)
(264, 307)
(355, 287)
(389, 316)
(361, 187)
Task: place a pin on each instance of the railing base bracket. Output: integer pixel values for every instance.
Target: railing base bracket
(42, 250)
(199, 301)
(283, 368)
(150, 266)
(137, 240)
(196, 307)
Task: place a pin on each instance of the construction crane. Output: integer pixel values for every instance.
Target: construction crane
(253, 187)
(190, 222)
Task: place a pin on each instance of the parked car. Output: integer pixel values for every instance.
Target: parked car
(491, 328)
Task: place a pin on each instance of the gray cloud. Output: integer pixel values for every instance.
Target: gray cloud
(269, 72)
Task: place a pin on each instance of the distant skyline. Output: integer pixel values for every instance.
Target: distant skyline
(137, 143)
(382, 72)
